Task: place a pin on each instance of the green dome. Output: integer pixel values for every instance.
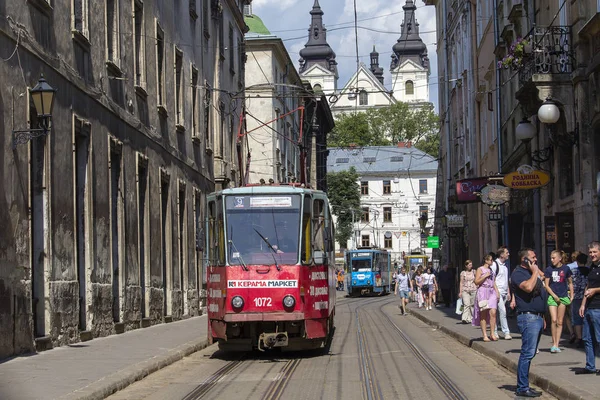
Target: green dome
(256, 25)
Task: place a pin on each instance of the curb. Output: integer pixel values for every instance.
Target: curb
(121, 379)
(538, 380)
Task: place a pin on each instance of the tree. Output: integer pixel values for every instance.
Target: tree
(344, 196)
(400, 122)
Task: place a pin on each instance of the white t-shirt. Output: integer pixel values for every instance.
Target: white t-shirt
(402, 281)
(501, 276)
(428, 278)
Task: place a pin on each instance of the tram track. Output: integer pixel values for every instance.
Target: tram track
(368, 372)
(443, 381)
(212, 381)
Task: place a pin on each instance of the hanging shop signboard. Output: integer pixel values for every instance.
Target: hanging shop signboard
(467, 189)
(495, 195)
(525, 177)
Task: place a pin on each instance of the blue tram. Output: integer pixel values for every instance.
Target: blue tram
(369, 271)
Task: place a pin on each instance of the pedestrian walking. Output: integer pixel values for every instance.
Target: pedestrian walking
(445, 280)
(557, 277)
(486, 299)
(403, 287)
(468, 289)
(580, 274)
(502, 274)
(530, 297)
(590, 311)
(429, 288)
(418, 286)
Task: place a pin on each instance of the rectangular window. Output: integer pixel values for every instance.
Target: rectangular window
(179, 122)
(116, 225)
(231, 51)
(143, 231)
(387, 187)
(422, 186)
(195, 108)
(113, 53)
(387, 214)
(193, 12)
(205, 19)
(160, 67)
(166, 241)
(81, 17)
(365, 215)
(364, 188)
(423, 210)
(139, 44)
(207, 113)
(365, 242)
(221, 26)
(182, 242)
(387, 243)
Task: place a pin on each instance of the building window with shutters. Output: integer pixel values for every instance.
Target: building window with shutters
(365, 215)
(387, 187)
(409, 87)
(364, 188)
(365, 242)
(363, 98)
(387, 243)
(422, 186)
(387, 214)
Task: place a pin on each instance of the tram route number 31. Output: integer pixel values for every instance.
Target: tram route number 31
(262, 301)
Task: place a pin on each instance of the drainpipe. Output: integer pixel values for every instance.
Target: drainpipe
(499, 116)
(447, 103)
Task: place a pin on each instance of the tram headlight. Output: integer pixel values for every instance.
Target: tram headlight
(289, 301)
(237, 302)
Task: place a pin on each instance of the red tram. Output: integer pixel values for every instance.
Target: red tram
(271, 274)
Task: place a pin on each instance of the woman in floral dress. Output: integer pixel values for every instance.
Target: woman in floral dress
(486, 300)
(467, 291)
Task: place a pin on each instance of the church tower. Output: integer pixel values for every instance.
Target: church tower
(375, 68)
(317, 58)
(410, 64)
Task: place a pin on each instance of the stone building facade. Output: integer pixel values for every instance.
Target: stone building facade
(102, 218)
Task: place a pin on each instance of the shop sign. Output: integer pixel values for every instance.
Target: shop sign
(495, 195)
(526, 178)
(467, 189)
(433, 242)
(455, 221)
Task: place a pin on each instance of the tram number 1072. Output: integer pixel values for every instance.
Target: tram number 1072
(262, 301)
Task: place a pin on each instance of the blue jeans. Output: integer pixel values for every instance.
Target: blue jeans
(530, 326)
(591, 337)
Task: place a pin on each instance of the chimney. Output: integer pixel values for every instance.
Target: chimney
(400, 144)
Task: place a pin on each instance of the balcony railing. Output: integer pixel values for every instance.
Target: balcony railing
(551, 52)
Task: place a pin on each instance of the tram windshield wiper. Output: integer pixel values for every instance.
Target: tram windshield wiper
(270, 247)
(244, 266)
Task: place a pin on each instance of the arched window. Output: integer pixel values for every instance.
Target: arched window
(363, 98)
(317, 88)
(409, 87)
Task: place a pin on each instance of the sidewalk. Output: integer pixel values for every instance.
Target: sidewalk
(99, 367)
(554, 373)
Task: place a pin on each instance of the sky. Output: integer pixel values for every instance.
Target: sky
(289, 20)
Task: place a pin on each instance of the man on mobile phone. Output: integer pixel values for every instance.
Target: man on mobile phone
(530, 297)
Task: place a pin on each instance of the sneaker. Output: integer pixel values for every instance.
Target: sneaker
(507, 336)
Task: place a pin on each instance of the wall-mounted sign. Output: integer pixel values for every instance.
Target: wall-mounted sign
(495, 195)
(455, 221)
(526, 178)
(467, 189)
(433, 242)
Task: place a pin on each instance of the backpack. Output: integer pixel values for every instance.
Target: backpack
(497, 268)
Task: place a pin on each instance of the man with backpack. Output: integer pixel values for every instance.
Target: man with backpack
(501, 272)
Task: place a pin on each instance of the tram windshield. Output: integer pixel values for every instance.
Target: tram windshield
(263, 230)
(361, 265)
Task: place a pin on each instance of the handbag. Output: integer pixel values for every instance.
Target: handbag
(483, 304)
(459, 306)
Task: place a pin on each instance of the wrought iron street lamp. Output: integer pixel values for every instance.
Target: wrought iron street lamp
(548, 112)
(42, 96)
(423, 221)
(525, 131)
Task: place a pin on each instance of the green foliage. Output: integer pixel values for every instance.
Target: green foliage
(343, 192)
(399, 122)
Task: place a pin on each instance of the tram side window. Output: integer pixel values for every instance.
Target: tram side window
(212, 233)
(319, 225)
(220, 232)
(306, 231)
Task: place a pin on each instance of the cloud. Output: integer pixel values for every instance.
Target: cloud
(379, 22)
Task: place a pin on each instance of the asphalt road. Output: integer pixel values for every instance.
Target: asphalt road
(376, 353)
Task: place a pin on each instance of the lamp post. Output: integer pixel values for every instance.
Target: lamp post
(423, 222)
(43, 100)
